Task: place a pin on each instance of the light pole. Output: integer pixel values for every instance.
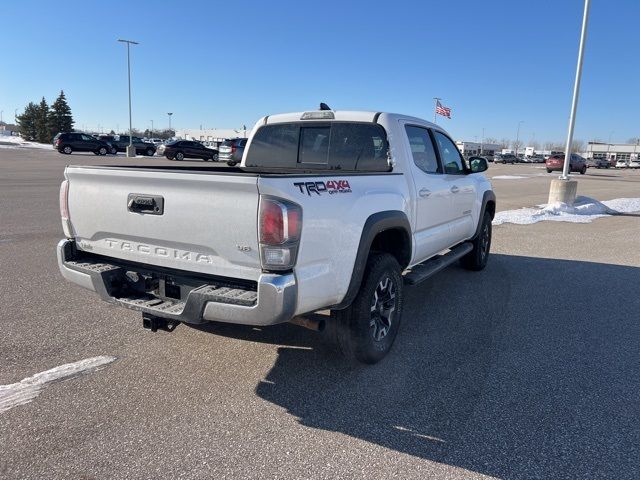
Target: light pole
(15, 115)
(562, 189)
(482, 142)
(518, 136)
(151, 129)
(130, 151)
(170, 113)
(1, 112)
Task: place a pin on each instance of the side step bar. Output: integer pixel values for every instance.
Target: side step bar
(419, 273)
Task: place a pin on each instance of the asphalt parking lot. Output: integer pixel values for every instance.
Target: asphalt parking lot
(529, 369)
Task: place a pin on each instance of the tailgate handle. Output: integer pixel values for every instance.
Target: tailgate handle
(149, 204)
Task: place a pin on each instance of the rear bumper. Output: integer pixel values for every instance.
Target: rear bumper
(272, 301)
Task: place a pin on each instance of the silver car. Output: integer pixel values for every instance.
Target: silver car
(231, 151)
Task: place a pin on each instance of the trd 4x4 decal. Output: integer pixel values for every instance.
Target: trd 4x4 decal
(330, 187)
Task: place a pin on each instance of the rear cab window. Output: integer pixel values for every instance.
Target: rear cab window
(352, 146)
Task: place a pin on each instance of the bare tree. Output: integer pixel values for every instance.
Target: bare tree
(578, 146)
(517, 145)
(491, 140)
(504, 143)
(535, 144)
(634, 140)
(548, 146)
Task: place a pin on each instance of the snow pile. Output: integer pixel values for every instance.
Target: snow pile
(584, 210)
(9, 141)
(507, 177)
(29, 388)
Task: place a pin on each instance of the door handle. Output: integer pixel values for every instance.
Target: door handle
(454, 189)
(424, 192)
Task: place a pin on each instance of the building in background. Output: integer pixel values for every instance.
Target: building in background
(8, 129)
(613, 151)
(212, 136)
(475, 148)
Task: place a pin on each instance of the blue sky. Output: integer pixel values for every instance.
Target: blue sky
(217, 65)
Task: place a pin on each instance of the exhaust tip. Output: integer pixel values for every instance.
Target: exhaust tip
(317, 325)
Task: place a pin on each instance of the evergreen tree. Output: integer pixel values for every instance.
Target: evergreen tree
(27, 122)
(60, 119)
(43, 134)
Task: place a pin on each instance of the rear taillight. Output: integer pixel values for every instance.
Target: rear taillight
(233, 148)
(57, 141)
(280, 225)
(64, 209)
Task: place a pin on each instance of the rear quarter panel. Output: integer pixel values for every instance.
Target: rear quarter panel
(332, 227)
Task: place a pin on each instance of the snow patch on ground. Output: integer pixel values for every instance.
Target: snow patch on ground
(29, 388)
(584, 210)
(507, 177)
(9, 141)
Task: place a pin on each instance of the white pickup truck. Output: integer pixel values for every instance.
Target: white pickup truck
(332, 210)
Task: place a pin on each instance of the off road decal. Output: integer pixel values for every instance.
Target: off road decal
(331, 187)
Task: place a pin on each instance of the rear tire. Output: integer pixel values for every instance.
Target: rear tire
(150, 152)
(66, 150)
(477, 258)
(232, 164)
(583, 170)
(102, 151)
(548, 170)
(366, 329)
(179, 156)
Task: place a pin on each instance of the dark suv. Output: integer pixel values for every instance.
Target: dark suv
(181, 149)
(121, 142)
(506, 158)
(81, 142)
(231, 150)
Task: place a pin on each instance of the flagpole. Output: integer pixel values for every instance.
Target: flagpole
(435, 104)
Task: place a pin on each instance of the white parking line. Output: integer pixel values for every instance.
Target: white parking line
(29, 388)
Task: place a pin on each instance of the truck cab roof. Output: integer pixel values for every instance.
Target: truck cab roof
(342, 116)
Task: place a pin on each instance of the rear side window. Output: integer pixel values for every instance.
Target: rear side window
(424, 155)
(328, 146)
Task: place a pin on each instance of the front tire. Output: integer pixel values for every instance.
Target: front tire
(150, 152)
(477, 258)
(366, 329)
(549, 170)
(583, 170)
(231, 164)
(102, 151)
(179, 156)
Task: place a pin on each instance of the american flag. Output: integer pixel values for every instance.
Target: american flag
(442, 110)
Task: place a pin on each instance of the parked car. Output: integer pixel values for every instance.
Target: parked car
(121, 142)
(320, 217)
(81, 142)
(110, 139)
(626, 163)
(598, 163)
(181, 149)
(231, 150)
(505, 158)
(488, 157)
(577, 163)
(537, 158)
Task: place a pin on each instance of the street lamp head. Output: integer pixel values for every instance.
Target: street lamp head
(128, 41)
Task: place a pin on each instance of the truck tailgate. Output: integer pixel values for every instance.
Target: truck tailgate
(206, 222)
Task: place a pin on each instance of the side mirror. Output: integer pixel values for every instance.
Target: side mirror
(478, 164)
